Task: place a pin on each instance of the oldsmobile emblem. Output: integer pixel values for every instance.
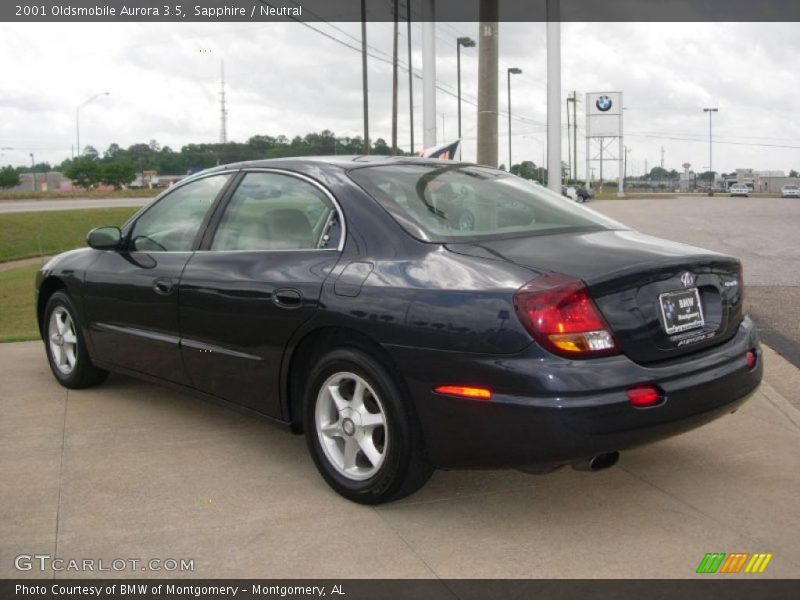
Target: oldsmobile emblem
(687, 279)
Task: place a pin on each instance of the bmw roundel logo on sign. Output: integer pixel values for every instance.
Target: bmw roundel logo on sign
(603, 103)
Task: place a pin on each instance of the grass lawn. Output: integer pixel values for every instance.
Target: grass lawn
(17, 313)
(23, 235)
(80, 193)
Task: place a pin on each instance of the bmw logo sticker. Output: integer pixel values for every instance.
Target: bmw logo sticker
(603, 103)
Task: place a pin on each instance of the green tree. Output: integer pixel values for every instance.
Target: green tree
(381, 147)
(84, 172)
(793, 173)
(117, 173)
(526, 169)
(114, 151)
(90, 152)
(659, 173)
(9, 177)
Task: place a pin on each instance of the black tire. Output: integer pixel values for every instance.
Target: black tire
(405, 467)
(83, 374)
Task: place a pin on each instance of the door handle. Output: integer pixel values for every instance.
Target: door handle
(287, 298)
(163, 286)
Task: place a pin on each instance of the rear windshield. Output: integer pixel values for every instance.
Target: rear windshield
(458, 203)
(790, 187)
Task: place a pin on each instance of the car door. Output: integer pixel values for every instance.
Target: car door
(255, 280)
(131, 295)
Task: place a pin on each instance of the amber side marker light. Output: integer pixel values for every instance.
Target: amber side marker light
(474, 393)
(643, 396)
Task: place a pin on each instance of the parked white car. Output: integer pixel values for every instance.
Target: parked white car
(790, 191)
(740, 189)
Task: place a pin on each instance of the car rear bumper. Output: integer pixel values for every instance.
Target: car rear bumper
(547, 410)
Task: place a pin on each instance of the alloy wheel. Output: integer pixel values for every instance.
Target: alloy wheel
(351, 426)
(63, 340)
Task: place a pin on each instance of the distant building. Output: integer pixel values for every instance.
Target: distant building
(761, 181)
(52, 181)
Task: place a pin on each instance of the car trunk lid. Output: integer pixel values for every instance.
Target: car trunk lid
(640, 283)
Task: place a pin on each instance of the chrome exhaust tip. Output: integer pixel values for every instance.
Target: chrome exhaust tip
(596, 463)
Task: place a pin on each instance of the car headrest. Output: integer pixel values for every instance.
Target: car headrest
(290, 226)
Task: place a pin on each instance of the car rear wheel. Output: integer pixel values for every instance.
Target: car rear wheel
(363, 435)
(66, 349)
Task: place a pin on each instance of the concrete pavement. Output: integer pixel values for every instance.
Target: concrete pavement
(131, 470)
(17, 206)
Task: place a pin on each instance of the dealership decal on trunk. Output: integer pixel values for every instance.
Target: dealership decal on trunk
(681, 310)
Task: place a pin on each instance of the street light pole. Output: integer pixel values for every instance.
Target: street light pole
(364, 82)
(511, 71)
(467, 43)
(710, 166)
(78, 119)
(573, 152)
(410, 75)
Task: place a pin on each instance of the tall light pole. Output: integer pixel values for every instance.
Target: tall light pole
(78, 120)
(467, 43)
(573, 99)
(511, 71)
(33, 172)
(410, 75)
(395, 34)
(488, 84)
(364, 82)
(710, 111)
(428, 74)
(553, 96)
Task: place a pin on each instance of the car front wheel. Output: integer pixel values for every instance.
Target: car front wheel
(363, 435)
(66, 349)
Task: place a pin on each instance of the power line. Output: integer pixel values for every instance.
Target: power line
(716, 141)
(441, 86)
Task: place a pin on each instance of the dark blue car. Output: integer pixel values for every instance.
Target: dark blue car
(407, 315)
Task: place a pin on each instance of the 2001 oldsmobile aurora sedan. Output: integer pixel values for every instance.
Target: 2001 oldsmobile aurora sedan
(407, 314)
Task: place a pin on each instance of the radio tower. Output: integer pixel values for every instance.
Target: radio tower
(223, 126)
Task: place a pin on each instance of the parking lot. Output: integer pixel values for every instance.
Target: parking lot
(133, 471)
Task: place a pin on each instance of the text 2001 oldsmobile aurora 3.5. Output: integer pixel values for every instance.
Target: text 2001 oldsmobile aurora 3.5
(407, 314)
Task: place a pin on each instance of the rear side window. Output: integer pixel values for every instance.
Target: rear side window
(271, 211)
(459, 203)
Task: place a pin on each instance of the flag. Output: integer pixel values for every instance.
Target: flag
(445, 151)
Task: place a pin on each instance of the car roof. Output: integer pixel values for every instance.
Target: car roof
(345, 163)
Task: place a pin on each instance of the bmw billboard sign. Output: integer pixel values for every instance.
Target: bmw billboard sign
(603, 103)
(604, 114)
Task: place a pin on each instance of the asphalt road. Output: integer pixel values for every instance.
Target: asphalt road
(763, 232)
(15, 206)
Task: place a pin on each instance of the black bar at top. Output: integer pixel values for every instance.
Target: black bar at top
(380, 10)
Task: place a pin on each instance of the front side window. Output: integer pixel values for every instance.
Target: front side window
(457, 203)
(172, 224)
(271, 211)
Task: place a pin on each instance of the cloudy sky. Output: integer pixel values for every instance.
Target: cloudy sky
(289, 79)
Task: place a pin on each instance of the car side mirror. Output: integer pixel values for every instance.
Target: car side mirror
(104, 238)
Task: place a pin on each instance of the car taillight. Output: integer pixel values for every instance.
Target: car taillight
(559, 313)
